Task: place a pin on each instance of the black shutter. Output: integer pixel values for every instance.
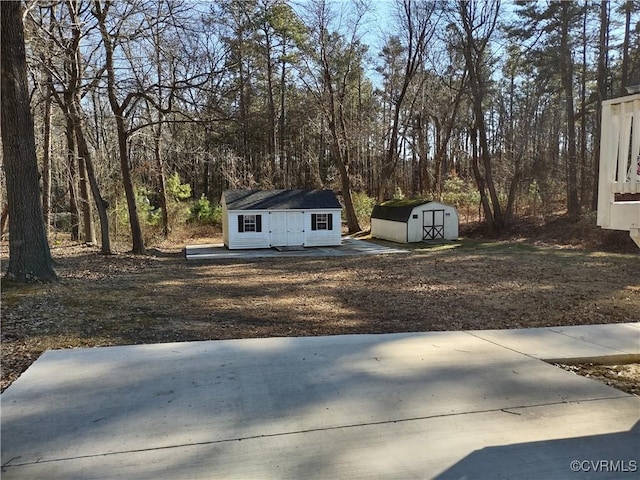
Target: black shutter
(258, 223)
(330, 221)
(314, 219)
(240, 223)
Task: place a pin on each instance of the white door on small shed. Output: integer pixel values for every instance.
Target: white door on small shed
(286, 228)
(432, 224)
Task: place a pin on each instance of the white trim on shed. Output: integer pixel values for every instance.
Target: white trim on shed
(404, 221)
(280, 218)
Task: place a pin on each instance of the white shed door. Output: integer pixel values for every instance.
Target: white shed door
(286, 228)
(432, 224)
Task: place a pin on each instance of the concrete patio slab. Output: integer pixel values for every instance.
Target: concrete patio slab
(421, 405)
(349, 247)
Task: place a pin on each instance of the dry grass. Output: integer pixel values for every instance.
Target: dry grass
(476, 284)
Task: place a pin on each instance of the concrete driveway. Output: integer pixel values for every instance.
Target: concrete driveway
(440, 405)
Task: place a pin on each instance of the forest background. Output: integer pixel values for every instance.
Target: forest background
(145, 111)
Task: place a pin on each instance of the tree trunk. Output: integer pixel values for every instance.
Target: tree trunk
(474, 52)
(352, 220)
(29, 255)
(4, 218)
(334, 111)
(281, 120)
(423, 167)
(87, 214)
(443, 136)
(75, 124)
(584, 170)
(119, 111)
(271, 106)
(345, 181)
(46, 158)
(344, 162)
(497, 219)
(85, 154)
(134, 221)
(71, 162)
(624, 75)
(573, 203)
(166, 228)
(601, 82)
(438, 158)
(484, 200)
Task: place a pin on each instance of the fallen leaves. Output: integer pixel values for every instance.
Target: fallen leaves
(624, 377)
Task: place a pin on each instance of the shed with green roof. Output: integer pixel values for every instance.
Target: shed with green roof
(409, 221)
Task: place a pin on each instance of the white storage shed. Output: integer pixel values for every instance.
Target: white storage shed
(409, 221)
(280, 218)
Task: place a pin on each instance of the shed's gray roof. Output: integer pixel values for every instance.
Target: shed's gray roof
(396, 210)
(280, 199)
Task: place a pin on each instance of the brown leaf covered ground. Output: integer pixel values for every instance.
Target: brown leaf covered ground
(473, 284)
(623, 377)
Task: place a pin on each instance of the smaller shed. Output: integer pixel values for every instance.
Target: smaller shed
(280, 218)
(409, 221)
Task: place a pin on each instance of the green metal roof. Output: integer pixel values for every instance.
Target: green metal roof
(396, 210)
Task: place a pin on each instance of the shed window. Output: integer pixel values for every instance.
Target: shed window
(249, 223)
(322, 221)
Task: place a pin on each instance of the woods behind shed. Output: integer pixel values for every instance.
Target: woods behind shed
(280, 218)
(408, 221)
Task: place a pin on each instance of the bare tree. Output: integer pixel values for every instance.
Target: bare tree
(58, 37)
(476, 23)
(417, 23)
(70, 103)
(29, 254)
(334, 60)
(120, 108)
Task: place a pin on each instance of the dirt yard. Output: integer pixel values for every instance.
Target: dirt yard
(474, 284)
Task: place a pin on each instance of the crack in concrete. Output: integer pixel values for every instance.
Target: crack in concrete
(310, 430)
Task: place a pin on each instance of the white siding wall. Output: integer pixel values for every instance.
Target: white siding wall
(322, 238)
(388, 230)
(246, 240)
(450, 221)
(225, 223)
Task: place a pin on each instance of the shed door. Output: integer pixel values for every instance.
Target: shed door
(286, 228)
(432, 224)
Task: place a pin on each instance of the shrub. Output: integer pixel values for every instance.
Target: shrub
(177, 190)
(457, 192)
(146, 210)
(397, 194)
(363, 206)
(463, 195)
(203, 213)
